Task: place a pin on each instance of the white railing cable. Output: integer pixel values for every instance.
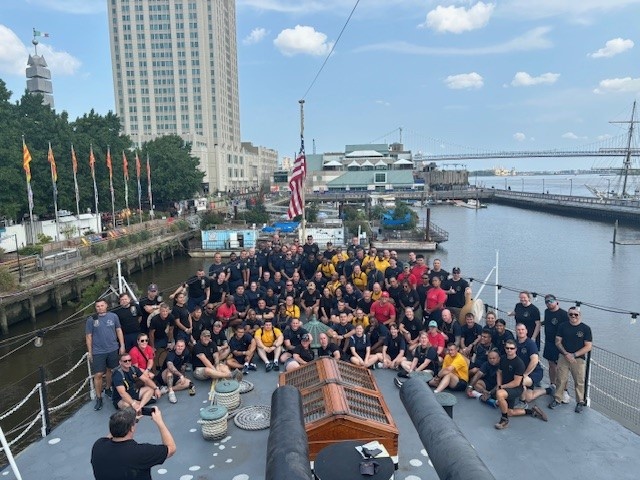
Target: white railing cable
(21, 403)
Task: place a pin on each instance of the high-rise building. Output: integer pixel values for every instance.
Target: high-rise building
(175, 71)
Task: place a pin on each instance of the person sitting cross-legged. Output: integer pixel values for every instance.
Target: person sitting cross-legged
(425, 358)
(454, 373)
(242, 346)
(485, 379)
(133, 387)
(206, 362)
(172, 373)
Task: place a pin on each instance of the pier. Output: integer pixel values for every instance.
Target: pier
(49, 288)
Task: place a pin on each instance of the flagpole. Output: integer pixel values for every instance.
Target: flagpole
(125, 168)
(113, 198)
(151, 214)
(74, 163)
(92, 164)
(26, 160)
(139, 187)
(304, 220)
(54, 179)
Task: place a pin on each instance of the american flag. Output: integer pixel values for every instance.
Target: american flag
(296, 183)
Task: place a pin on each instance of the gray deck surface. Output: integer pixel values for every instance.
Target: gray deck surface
(569, 446)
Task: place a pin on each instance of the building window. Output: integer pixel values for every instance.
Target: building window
(380, 177)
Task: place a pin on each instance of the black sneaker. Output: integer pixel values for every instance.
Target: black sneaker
(403, 374)
(502, 424)
(192, 389)
(98, 405)
(398, 383)
(245, 369)
(579, 407)
(554, 404)
(269, 367)
(253, 367)
(108, 392)
(276, 366)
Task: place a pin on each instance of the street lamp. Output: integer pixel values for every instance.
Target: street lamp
(15, 237)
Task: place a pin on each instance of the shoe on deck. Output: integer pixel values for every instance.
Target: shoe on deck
(164, 390)
(237, 375)
(98, 405)
(192, 389)
(253, 366)
(579, 407)
(268, 367)
(276, 366)
(403, 374)
(566, 398)
(502, 424)
(172, 397)
(554, 404)
(538, 413)
(398, 383)
(245, 369)
(108, 392)
(521, 405)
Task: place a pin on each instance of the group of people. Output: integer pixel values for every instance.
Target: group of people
(378, 311)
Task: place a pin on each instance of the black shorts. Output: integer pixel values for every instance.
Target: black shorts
(551, 352)
(102, 361)
(460, 386)
(513, 395)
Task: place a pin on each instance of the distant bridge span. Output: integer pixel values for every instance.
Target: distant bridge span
(602, 152)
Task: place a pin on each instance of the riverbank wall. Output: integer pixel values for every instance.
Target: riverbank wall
(52, 289)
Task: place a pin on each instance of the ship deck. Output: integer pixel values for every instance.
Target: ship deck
(569, 445)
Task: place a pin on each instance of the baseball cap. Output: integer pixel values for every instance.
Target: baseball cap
(205, 333)
(152, 288)
(456, 270)
(385, 294)
(305, 337)
(549, 298)
(433, 323)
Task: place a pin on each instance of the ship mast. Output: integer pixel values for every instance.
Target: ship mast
(627, 160)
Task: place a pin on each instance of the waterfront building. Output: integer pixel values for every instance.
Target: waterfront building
(175, 71)
(361, 167)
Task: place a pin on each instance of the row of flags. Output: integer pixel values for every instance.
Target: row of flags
(26, 164)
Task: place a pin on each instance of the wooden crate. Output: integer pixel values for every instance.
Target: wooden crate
(340, 402)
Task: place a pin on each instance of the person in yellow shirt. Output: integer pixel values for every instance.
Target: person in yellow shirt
(454, 373)
(368, 259)
(334, 284)
(359, 318)
(269, 342)
(359, 278)
(381, 262)
(291, 309)
(376, 293)
(340, 256)
(327, 268)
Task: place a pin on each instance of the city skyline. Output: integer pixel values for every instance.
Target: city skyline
(511, 75)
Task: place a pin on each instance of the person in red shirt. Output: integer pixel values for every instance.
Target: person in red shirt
(436, 339)
(436, 298)
(227, 312)
(142, 354)
(420, 268)
(383, 310)
(406, 275)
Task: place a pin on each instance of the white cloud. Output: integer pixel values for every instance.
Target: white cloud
(523, 79)
(572, 136)
(535, 39)
(14, 55)
(519, 136)
(459, 19)
(302, 39)
(613, 47)
(74, 7)
(606, 136)
(256, 36)
(383, 102)
(464, 81)
(618, 85)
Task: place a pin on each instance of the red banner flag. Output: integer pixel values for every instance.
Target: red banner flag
(52, 162)
(109, 166)
(125, 166)
(74, 160)
(137, 166)
(92, 161)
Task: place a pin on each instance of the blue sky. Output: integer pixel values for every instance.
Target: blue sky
(510, 74)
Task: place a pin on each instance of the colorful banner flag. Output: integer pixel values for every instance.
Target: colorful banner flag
(74, 164)
(296, 183)
(113, 195)
(52, 162)
(109, 166)
(125, 166)
(139, 187)
(149, 187)
(92, 164)
(26, 160)
(37, 33)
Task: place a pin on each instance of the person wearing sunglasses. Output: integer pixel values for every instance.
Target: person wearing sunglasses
(132, 387)
(142, 354)
(509, 387)
(574, 340)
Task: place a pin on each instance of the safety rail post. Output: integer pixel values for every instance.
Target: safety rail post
(92, 388)
(44, 403)
(587, 380)
(7, 452)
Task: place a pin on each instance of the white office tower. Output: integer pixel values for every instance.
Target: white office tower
(175, 71)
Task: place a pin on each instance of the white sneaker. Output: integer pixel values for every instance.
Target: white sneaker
(164, 390)
(565, 397)
(172, 397)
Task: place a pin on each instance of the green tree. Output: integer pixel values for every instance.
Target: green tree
(174, 171)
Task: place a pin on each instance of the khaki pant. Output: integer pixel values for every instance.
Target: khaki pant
(578, 371)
